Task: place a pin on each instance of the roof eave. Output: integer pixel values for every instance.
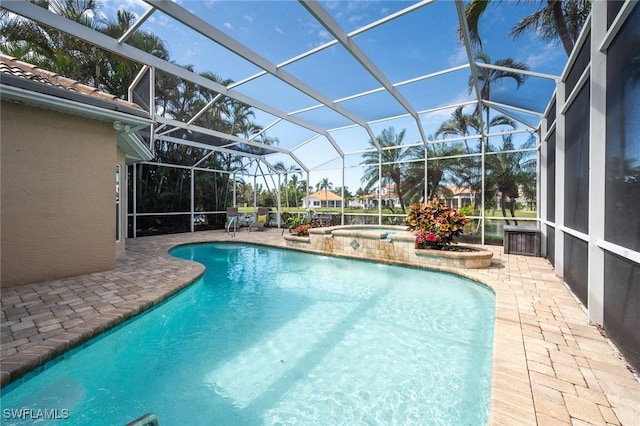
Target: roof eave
(135, 150)
(97, 109)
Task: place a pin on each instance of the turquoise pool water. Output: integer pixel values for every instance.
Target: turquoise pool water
(273, 336)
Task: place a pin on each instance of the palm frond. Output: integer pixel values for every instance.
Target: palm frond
(472, 12)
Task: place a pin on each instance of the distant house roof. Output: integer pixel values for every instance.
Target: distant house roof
(375, 196)
(325, 195)
(458, 191)
(30, 85)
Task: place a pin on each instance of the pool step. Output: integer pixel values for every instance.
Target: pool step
(148, 419)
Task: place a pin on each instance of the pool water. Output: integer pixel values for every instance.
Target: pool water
(271, 336)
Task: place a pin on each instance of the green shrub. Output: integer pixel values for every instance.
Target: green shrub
(295, 221)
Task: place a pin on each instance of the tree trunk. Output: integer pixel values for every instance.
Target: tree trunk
(504, 211)
(286, 192)
(512, 209)
(561, 25)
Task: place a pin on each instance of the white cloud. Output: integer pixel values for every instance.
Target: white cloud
(433, 120)
(353, 5)
(331, 4)
(228, 25)
(498, 88)
(278, 29)
(248, 18)
(550, 54)
(458, 57)
(161, 20)
(324, 34)
(355, 18)
(109, 8)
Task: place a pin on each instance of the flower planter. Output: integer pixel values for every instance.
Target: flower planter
(399, 248)
(470, 259)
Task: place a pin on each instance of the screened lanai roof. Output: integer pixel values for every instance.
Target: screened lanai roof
(325, 78)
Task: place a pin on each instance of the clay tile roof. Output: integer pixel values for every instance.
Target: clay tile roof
(325, 195)
(12, 66)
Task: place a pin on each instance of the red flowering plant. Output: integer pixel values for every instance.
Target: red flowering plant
(434, 224)
(301, 230)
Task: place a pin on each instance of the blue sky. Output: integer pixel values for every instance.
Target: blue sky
(415, 45)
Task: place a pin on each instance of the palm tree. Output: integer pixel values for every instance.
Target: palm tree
(214, 117)
(438, 166)
(51, 49)
(556, 19)
(114, 72)
(73, 58)
(294, 185)
(507, 171)
(249, 129)
(461, 125)
(325, 184)
(467, 172)
(283, 169)
(488, 76)
(386, 166)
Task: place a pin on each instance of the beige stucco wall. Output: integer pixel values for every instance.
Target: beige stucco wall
(57, 202)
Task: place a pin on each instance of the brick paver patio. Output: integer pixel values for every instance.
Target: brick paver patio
(550, 366)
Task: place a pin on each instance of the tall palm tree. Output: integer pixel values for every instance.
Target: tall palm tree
(117, 72)
(467, 172)
(326, 185)
(73, 58)
(249, 129)
(488, 76)
(49, 48)
(508, 171)
(460, 124)
(556, 19)
(214, 116)
(393, 169)
(294, 185)
(286, 171)
(438, 166)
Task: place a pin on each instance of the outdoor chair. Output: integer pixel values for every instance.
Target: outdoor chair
(261, 219)
(232, 220)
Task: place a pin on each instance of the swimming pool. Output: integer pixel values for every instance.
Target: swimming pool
(272, 336)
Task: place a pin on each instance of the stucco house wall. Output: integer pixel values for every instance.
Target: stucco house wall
(60, 144)
(58, 196)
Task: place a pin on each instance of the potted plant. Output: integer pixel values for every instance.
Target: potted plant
(301, 230)
(434, 224)
(293, 222)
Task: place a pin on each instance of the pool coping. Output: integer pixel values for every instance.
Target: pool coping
(549, 365)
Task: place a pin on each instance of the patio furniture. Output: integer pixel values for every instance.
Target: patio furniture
(261, 219)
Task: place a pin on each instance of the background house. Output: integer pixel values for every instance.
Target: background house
(64, 150)
(388, 196)
(322, 199)
(457, 197)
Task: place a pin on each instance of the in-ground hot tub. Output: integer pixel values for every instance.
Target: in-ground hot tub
(390, 244)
